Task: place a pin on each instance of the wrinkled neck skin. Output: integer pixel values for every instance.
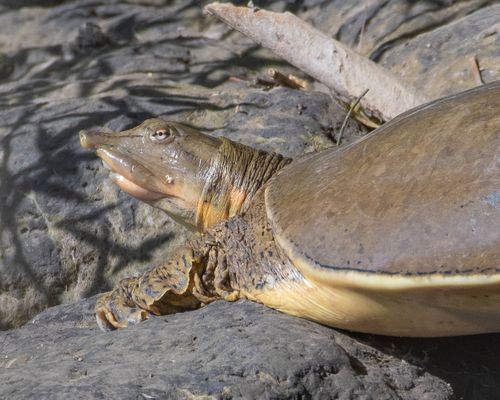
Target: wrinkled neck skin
(233, 176)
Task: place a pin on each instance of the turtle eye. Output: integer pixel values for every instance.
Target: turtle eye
(161, 135)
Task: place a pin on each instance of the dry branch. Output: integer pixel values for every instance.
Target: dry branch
(330, 62)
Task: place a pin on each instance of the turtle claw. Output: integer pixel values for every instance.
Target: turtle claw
(103, 324)
(115, 312)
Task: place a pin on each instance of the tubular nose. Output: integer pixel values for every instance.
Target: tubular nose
(85, 139)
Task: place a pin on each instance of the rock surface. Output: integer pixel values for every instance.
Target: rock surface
(427, 43)
(67, 233)
(257, 354)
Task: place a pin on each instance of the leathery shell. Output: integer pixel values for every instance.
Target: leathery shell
(418, 196)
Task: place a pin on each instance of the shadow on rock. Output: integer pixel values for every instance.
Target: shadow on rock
(470, 364)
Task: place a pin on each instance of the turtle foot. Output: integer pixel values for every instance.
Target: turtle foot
(115, 311)
(186, 282)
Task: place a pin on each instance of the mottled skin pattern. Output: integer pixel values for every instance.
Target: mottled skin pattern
(234, 259)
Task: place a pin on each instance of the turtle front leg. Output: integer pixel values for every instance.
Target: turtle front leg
(116, 309)
(166, 289)
(195, 276)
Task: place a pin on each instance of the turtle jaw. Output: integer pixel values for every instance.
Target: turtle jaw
(130, 176)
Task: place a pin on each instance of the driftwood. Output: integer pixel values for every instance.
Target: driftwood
(329, 61)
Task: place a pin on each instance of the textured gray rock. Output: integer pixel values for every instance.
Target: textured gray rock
(445, 53)
(427, 43)
(222, 351)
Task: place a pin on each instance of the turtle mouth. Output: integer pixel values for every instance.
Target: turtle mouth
(131, 176)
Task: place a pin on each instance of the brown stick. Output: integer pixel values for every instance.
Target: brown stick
(325, 59)
(283, 80)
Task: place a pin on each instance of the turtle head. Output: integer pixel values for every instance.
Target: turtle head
(197, 179)
(162, 163)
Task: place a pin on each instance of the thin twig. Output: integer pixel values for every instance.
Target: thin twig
(348, 115)
(283, 80)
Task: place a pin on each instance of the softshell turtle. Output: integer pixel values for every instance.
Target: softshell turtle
(396, 234)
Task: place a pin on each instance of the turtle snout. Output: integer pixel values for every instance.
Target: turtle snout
(86, 139)
(94, 139)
